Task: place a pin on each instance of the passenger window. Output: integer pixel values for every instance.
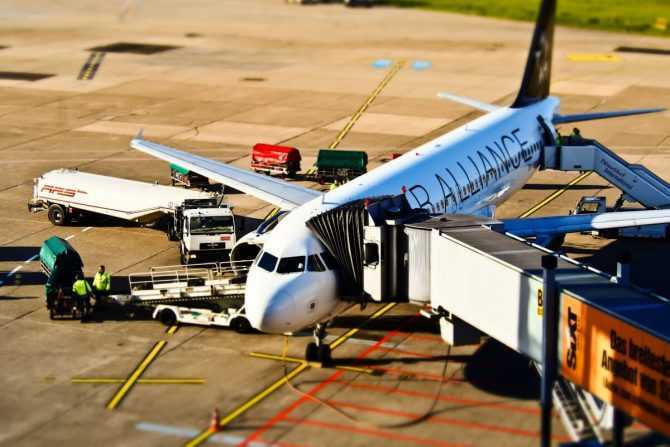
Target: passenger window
(330, 260)
(314, 264)
(267, 262)
(292, 264)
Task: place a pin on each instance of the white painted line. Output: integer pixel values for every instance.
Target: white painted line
(86, 229)
(10, 274)
(31, 259)
(69, 237)
(185, 432)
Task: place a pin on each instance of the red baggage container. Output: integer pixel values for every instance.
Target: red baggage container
(272, 159)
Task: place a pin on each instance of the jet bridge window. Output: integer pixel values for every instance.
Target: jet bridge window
(314, 264)
(291, 264)
(267, 262)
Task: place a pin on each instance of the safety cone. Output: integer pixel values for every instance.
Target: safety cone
(214, 423)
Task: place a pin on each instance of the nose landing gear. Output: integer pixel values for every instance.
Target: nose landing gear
(319, 350)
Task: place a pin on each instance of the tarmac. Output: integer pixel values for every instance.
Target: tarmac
(231, 74)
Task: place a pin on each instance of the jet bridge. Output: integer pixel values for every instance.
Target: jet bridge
(637, 182)
(613, 337)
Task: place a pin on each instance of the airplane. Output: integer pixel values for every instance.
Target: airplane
(293, 283)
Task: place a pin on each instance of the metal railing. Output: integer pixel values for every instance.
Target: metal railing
(188, 275)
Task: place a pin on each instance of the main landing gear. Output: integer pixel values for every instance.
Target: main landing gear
(319, 350)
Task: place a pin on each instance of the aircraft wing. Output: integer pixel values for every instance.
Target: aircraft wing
(283, 194)
(556, 225)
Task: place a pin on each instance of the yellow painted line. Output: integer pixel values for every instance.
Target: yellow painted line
(351, 332)
(555, 194)
(343, 133)
(202, 437)
(594, 57)
(282, 358)
(132, 379)
(300, 368)
(102, 380)
(172, 329)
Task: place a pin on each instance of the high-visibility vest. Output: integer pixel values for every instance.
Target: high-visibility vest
(102, 282)
(81, 287)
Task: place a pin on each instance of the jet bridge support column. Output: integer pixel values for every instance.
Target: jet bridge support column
(549, 345)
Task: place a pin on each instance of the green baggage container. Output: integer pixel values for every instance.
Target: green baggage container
(58, 252)
(341, 164)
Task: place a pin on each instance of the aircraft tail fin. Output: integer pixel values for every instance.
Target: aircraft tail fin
(537, 75)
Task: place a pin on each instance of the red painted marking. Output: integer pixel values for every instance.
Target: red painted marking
(444, 420)
(446, 398)
(309, 395)
(391, 435)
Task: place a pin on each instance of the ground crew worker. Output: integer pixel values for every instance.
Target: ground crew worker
(82, 293)
(333, 185)
(101, 283)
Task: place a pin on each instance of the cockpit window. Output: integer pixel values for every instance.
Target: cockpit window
(267, 262)
(314, 264)
(291, 264)
(330, 261)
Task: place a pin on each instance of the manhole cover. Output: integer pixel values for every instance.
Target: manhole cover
(134, 48)
(24, 76)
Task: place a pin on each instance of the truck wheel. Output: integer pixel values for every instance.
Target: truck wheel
(56, 214)
(241, 325)
(167, 317)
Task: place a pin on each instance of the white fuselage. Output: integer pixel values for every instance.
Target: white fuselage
(469, 170)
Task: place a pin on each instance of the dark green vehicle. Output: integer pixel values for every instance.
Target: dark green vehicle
(60, 263)
(340, 165)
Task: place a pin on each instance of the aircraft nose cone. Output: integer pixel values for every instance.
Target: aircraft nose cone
(273, 315)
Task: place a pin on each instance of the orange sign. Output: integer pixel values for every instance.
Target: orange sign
(621, 364)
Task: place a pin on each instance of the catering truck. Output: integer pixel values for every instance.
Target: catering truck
(203, 224)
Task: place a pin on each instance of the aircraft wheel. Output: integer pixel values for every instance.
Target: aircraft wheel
(325, 355)
(312, 352)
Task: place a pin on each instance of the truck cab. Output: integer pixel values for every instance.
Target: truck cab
(207, 232)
